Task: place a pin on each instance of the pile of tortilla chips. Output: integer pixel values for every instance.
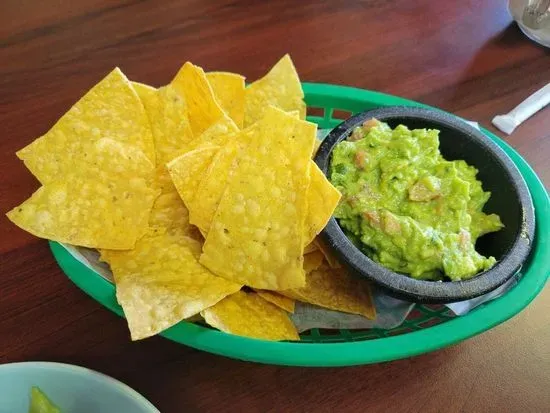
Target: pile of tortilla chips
(202, 197)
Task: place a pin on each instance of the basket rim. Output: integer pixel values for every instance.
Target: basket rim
(536, 273)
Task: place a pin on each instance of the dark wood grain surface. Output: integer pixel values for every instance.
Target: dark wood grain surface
(464, 56)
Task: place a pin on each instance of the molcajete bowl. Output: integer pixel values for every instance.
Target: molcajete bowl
(510, 199)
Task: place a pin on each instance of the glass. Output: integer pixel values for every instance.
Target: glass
(533, 18)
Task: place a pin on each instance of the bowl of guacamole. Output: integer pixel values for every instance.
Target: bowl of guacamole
(432, 210)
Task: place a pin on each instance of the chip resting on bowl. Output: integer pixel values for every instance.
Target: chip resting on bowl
(257, 234)
(160, 282)
(281, 88)
(323, 199)
(103, 202)
(249, 315)
(207, 186)
(111, 109)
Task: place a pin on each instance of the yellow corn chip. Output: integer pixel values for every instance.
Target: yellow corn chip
(143, 91)
(163, 182)
(103, 203)
(228, 89)
(169, 213)
(212, 185)
(323, 199)
(203, 109)
(336, 289)
(218, 134)
(168, 114)
(322, 196)
(160, 282)
(186, 171)
(310, 247)
(281, 87)
(249, 315)
(256, 236)
(313, 261)
(316, 147)
(329, 256)
(279, 300)
(111, 109)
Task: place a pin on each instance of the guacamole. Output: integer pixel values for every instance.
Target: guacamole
(407, 207)
(40, 402)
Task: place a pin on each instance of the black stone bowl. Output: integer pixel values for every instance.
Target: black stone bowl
(510, 199)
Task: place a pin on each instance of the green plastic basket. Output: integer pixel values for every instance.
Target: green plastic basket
(426, 329)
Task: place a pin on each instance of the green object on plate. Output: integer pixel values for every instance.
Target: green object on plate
(40, 402)
(407, 207)
(73, 389)
(428, 328)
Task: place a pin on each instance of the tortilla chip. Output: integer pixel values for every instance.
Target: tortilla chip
(228, 89)
(169, 213)
(294, 114)
(163, 182)
(144, 92)
(214, 182)
(203, 108)
(104, 202)
(160, 282)
(111, 109)
(316, 147)
(257, 234)
(279, 300)
(338, 290)
(322, 196)
(218, 134)
(186, 171)
(168, 114)
(323, 199)
(313, 261)
(310, 248)
(281, 88)
(329, 256)
(249, 315)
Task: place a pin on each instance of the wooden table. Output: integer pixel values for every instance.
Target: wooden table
(464, 56)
